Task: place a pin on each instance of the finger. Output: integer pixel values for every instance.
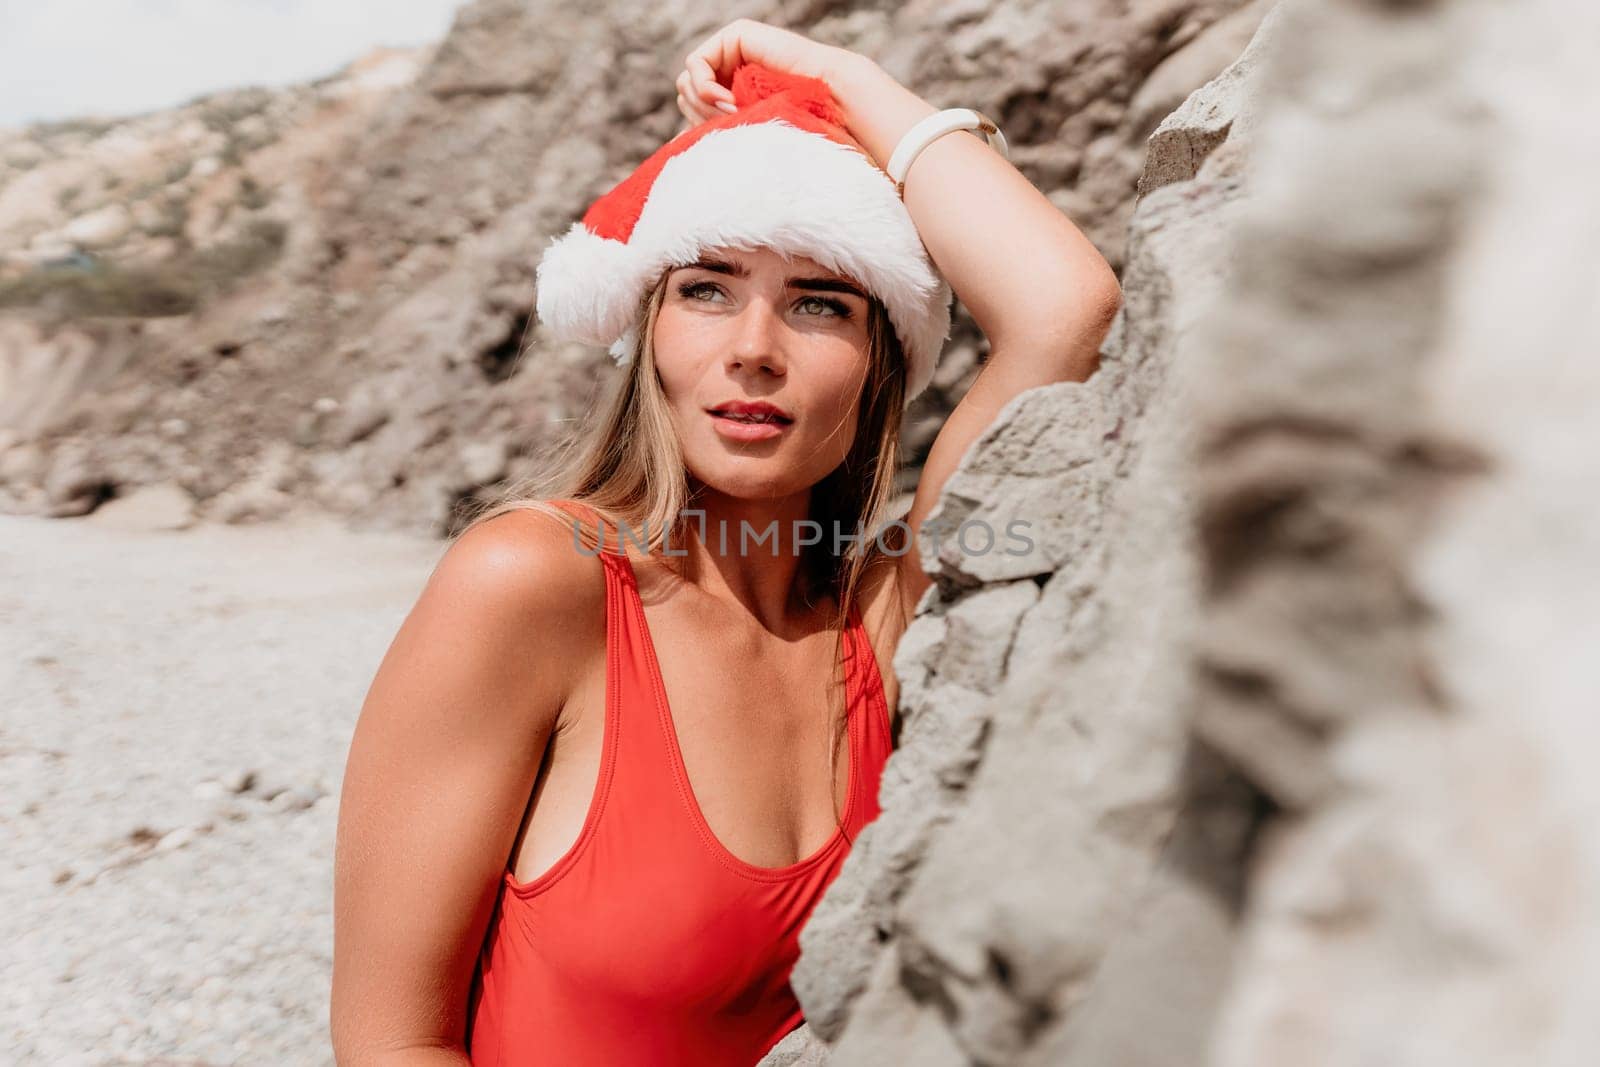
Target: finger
(693, 108)
(706, 49)
(711, 88)
(689, 111)
(687, 101)
(693, 111)
(714, 99)
(721, 52)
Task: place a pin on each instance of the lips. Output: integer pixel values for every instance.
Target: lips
(746, 421)
(757, 412)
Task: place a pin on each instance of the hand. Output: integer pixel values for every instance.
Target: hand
(708, 68)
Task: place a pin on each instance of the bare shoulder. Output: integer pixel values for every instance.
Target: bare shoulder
(503, 624)
(524, 567)
(508, 620)
(520, 578)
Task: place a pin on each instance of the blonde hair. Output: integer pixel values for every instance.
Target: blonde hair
(629, 468)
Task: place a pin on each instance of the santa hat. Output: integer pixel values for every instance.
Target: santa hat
(780, 172)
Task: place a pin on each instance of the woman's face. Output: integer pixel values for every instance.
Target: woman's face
(750, 327)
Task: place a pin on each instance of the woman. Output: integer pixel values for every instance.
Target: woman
(614, 753)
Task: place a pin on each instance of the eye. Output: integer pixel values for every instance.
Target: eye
(691, 290)
(838, 307)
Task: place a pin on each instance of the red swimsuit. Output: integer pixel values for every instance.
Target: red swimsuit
(649, 942)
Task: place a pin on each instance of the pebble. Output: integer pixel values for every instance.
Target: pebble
(239, 780)
(295, 799)
(178, 838)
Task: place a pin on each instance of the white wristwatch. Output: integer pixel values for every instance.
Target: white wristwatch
(930, 129)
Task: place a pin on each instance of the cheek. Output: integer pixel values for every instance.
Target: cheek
(842, 379)
(678, 348)
(833, 395)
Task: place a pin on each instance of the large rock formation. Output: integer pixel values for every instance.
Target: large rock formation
(323, 296)
(1284, 759)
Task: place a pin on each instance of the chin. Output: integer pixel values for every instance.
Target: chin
(751, 478)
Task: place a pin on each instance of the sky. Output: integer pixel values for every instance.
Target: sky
(77, 58)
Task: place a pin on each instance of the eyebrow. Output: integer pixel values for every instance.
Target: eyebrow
(738, 270)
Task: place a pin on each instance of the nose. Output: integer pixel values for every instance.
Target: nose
(756, 343)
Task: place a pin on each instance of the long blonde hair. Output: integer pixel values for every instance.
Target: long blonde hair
(629, 468)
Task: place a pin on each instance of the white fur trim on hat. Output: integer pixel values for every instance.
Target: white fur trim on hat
(768, 184)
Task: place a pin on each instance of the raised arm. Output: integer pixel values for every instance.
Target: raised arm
(445, 751)
(1043, 295)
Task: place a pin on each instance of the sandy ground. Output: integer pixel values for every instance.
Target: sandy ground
(176, 711)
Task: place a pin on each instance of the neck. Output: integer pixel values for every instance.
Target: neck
(748, 551)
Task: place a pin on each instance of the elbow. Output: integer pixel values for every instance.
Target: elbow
(1082, 313)
(1060, 339)
(1081, 329)
(400, 1054)
(357, 1039)
(1097, 310)
(1102, 298)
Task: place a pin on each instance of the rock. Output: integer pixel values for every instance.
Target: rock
(239, 780)
(48, 248)
(272, 316)
(362, 416)
(212, 790)
(265, 494)
(1213, 50)
(249, 502)
(1185, 138)
(149, 508)
(22, 463)
(75, 487)
(1399, 520)
(215, 801)
(799, 1048)
(23, 155)
(293, 799)
(484, 462)
(176, 839)
(51, 370)
(100, 228)
(307, 429)
(1026, 499)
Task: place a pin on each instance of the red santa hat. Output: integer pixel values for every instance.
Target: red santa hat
(780, 172)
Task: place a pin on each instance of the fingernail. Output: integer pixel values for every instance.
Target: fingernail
(727, 106)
